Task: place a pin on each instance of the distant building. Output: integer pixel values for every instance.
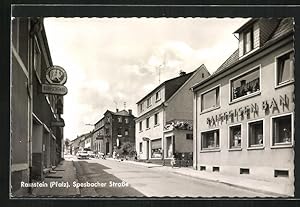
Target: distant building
(114, 129)
(36, 144)
(160, 110)
(244, 112)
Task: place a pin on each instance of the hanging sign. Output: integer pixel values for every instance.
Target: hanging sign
(54, 89)
(56, 75)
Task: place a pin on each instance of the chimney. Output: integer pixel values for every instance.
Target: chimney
(130, 111)
(181, 73)
(117, 110)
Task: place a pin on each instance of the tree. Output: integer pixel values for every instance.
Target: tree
(126, 149)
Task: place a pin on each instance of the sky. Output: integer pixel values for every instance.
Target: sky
(112, 61)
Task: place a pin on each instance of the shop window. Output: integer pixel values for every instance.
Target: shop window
(149, 102)
(157, 96)
(285, 68)
(210, 99)
(189, 136)
(141, 125)
(282, 130)
(248, 41)
(156, 150)
(147, 123)
(141, 147)
(155, 119)
(235, 136)
(210, 139)
(255, 134)
(245, 84)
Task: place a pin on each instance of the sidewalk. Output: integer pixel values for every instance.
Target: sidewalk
(59, 182)
(274, 189)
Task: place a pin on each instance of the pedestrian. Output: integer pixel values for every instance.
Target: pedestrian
(173, 162)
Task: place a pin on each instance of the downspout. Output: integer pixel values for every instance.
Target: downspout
(195, 131)
(30, 90)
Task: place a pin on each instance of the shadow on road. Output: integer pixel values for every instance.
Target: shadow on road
(107, 185)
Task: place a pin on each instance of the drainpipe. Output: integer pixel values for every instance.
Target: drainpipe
(30, 89)
(195, 131)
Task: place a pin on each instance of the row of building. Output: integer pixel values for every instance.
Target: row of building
(238, 121)
(109, 133)
(36, 139)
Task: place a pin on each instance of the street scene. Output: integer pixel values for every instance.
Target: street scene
(152, 107)
(118, 178)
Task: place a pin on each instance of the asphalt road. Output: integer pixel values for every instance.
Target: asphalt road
(149, 182)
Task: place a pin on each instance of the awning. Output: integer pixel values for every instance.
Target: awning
(156, 144)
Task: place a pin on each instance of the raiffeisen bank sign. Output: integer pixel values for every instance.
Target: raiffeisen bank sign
(56, 77)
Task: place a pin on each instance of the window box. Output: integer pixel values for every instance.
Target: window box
(210, 140)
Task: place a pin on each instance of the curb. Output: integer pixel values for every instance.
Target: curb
(277, 195)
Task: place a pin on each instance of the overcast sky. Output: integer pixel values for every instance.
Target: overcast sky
(110, 61)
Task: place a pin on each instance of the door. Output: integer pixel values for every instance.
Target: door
(147, 150)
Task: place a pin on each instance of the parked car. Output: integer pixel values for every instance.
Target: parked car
(91, 154)
(82, 155)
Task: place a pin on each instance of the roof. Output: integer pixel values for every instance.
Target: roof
(172, 84)
(119, 113)
(244, 26)
(285, 26)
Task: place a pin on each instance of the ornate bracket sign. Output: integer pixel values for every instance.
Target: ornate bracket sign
(56, 75)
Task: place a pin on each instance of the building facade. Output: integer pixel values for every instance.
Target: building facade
(170, 102)
(114, 129)
(244, 112)
(36, 144)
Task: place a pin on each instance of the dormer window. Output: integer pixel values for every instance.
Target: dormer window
(149, 102)
(248, 43)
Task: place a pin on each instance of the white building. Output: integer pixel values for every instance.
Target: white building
(172, 100)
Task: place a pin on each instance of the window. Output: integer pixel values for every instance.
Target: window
(106, 131)
(245, 84)
(255, 133)
(285, 68)
(120, 119)
(202, 75)
(141, 147)
(141, 107)
(281, 173)
(149, 102)
(210, 99)
(244, 171)
(189, 136)
(126, 132)
(37, 59)
(210, 139)
(235, 136)
(156, 150)
(202, 168)
(120, 131)
(155, 119)
(147, 123)
(216, 169)
(282, 130)
(248, 41)
(141, 125)
(126, 120)
(157, 96)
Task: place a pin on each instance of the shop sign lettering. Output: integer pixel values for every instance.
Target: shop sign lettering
(245, 112)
